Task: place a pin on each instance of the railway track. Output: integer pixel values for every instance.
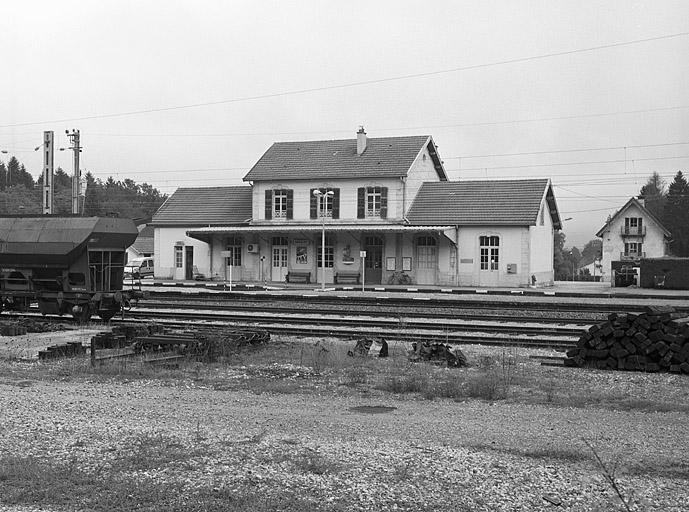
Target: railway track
(398, 318)
(503, 321)
(398, 314)
(453, 304)
(543, 338)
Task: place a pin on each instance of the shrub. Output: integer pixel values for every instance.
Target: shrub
(407, 383)
(311, 461)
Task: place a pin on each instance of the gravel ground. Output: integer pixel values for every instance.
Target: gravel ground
(422, 455)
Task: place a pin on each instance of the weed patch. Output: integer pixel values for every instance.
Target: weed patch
(312, 461)
(29, 481)
(545, 453)
(149, 451)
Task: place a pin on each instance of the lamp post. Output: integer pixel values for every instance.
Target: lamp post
(323, 198)
(571, 254)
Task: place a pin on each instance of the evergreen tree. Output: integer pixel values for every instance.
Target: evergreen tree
(559, 263)
(20, 195)
(653, 194)
(676, 215)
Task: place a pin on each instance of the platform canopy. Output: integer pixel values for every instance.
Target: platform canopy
(206, 234)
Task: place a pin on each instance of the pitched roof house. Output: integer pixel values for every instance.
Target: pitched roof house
(373, 209)
(143, 245)
(631, 234)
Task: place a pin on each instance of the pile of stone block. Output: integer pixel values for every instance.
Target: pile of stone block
(652, 341)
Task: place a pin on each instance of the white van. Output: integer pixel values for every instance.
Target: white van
(139, 268)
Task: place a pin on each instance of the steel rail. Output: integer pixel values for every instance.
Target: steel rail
(318, 318)
(479, 338)
(451, 302)
(492, 314)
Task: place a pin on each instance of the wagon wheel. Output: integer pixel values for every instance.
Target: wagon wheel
(107, 314)
(84, 315)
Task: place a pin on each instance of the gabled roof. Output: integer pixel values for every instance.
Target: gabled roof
(144, 242)
(385, 157)
(644, 210)
(205, 206)
(483, 203)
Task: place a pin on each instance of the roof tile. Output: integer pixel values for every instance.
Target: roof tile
(384, 157)
(205, 206)
(496, 202)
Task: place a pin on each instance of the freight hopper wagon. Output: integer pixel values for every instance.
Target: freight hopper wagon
(72, 265)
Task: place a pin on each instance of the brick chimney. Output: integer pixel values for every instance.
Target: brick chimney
(360, 141)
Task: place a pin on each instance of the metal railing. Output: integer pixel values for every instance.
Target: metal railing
(633, 231)
(632, 255)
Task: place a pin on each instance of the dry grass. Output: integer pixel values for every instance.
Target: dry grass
(302, 366)
(117, 483)
(45, 483)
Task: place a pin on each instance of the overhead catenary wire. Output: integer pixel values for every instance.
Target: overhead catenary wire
(359, 83)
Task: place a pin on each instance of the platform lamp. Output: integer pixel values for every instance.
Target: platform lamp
(323, 199)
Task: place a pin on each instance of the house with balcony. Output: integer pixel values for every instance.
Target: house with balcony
(360, 210)
(631, 234)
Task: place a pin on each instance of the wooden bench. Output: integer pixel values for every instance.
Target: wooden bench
(344, 276)
(299, 276)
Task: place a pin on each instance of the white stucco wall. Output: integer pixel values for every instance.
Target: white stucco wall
(164, 240)
(348, 199)
(653, 243)
(512, 241)
(421, 170)
(540, 249)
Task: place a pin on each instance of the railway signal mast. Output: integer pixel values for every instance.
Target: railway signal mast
(74, 139)
(48, 155)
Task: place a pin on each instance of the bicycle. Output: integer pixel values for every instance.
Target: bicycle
(399, 277)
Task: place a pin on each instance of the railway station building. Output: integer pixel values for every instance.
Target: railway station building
(384, 208)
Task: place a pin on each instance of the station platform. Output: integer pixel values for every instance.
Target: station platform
(573, 289)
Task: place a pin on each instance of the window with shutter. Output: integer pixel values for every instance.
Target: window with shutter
(313, 204)
(269, 204)
(384, 202)
(376, 202)
(290, 204)
(336, 203)
(361, 203)
(280, 204)
(325, 203)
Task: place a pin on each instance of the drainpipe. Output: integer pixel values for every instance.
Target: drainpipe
(457, 256)
(404, 197)
(210, 255)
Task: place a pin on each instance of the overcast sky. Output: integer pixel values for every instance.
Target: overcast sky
(545, 79)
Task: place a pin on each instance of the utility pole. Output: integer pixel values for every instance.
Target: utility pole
(48, 154)
(74, 139)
